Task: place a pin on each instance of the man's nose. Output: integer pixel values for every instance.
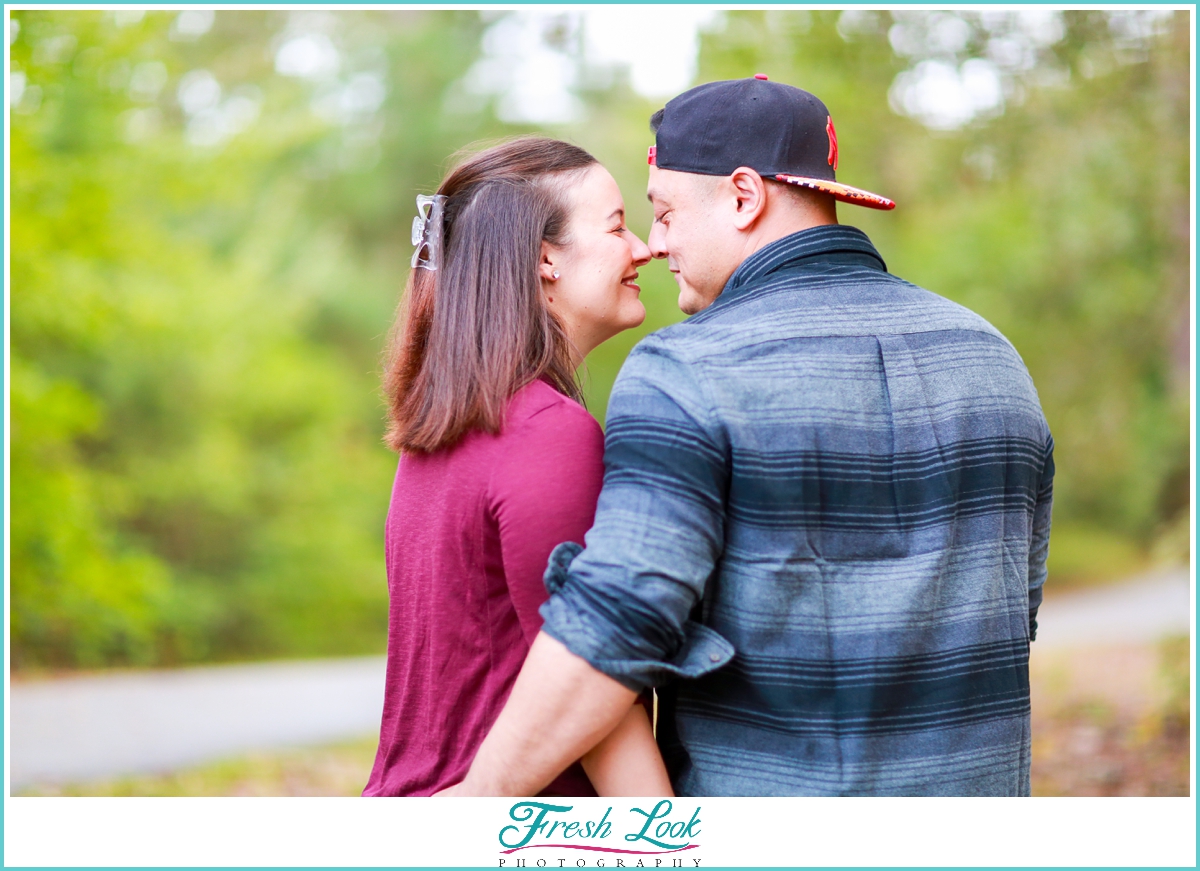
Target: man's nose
(657, 241)
(641, 253)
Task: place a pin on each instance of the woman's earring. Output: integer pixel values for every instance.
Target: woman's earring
(554, 275)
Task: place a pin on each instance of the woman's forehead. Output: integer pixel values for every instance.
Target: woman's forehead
(598, 192)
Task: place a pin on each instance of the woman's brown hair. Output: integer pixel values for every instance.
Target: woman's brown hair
(473, 332)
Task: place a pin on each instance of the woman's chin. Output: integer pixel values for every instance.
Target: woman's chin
(636, 315)
(631, 317)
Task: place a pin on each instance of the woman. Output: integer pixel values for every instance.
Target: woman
(523, 265)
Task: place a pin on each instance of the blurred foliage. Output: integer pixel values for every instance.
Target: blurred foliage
(1112, 719)
(1175, 672)
(206, 253)
(197, 472)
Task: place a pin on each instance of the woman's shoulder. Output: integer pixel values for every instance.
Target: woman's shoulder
(548, 440)
(538, 405)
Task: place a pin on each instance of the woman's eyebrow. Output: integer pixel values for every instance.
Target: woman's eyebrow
(617, 212)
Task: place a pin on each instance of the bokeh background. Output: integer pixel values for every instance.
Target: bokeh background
(210, 222)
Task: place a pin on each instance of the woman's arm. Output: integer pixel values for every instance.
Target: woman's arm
(544, 492)
(627, 762)
(543, 729)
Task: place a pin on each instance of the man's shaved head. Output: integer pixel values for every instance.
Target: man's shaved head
(706, 225)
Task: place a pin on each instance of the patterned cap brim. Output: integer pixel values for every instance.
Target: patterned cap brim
(839, 191)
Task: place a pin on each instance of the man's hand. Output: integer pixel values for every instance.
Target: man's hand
(559, 709)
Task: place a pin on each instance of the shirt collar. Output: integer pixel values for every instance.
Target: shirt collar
(815, 243)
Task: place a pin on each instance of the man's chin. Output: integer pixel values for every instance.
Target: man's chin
(691, 302)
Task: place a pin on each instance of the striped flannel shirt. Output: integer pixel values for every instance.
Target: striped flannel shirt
(822, 535)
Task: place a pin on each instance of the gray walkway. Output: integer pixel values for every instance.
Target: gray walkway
(95, 726)
(1140, 610)
(87, 727)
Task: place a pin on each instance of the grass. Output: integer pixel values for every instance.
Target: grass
(333, 770)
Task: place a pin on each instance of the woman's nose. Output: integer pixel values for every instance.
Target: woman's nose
(639, 249)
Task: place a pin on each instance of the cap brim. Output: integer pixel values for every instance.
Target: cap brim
(839, 191)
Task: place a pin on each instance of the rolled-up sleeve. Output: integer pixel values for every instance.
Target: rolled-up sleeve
(624, 602)
(1039, 548)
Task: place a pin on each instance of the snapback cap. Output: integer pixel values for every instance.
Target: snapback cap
(781, 132)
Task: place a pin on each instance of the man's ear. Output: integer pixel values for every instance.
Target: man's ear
(751, 193)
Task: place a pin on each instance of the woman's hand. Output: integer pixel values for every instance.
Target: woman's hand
(627, 762)
(559, 708)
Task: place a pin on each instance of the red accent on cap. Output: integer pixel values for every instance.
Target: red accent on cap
(832, 141)
(762, 77)
(652, 155)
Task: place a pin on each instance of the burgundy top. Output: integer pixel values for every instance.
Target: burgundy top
(468, 535)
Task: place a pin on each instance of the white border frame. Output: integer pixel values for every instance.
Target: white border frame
(81, 832)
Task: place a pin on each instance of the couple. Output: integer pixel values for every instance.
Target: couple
(816, 523)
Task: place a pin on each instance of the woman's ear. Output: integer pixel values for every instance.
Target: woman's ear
(547, 271)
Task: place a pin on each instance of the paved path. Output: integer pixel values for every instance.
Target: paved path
(90, 727)
(1140, 610)
(87, 727)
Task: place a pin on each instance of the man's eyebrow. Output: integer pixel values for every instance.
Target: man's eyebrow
(616, 212)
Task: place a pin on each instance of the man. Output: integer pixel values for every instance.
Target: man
(826, 507)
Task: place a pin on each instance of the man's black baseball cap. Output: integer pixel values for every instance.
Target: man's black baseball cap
(781, 132)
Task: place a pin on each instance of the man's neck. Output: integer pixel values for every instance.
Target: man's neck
(774, 228)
